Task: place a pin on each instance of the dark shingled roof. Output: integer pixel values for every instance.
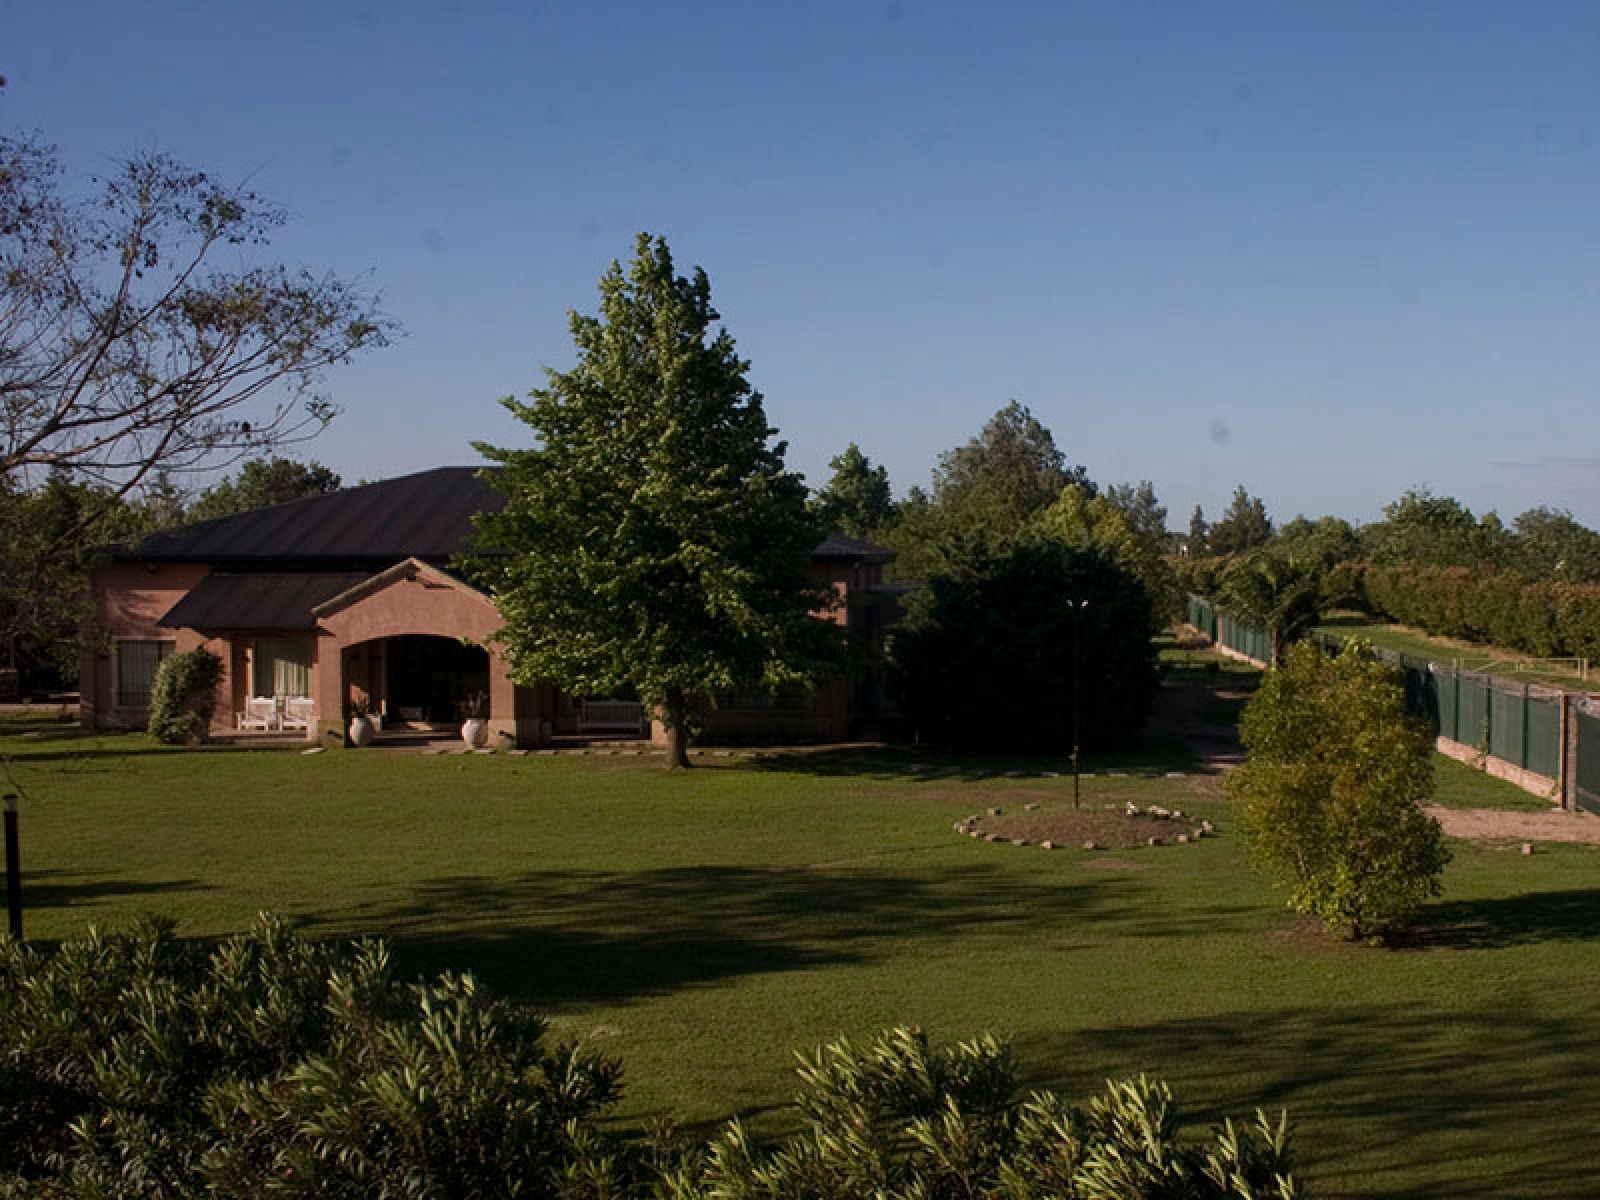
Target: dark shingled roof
(259, 599)
(426, 516)
(838, 545)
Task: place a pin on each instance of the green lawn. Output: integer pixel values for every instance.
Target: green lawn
(1472, 656)
(701, 925)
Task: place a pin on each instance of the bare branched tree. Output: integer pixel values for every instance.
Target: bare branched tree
(127, 350)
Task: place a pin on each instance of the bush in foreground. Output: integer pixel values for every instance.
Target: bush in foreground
(137, 1065)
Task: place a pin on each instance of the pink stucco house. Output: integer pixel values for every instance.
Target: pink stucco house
(344, 599)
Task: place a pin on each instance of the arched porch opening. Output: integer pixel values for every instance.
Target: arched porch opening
(418, 681)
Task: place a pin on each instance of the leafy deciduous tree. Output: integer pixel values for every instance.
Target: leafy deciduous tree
(1551, 545)
(653, 541)
(992, 485)
(1087, 521)
(1332, 791)
(984, 658)
(261, 482)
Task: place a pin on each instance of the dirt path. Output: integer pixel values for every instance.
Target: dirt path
(1179, 712)
(1555, 826)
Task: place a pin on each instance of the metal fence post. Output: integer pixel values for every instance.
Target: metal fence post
(13, 869)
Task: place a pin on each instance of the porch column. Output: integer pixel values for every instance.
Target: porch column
(328, 674)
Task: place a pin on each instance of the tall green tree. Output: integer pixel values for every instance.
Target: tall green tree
(652, 540)
(857, 499)
(43, 555)
(1244, 525)
(1199, 541)
(261, 482)
(988, 652)
(1425, 530)
(1332, 791)
(985, 495)
(1550, 544)
(993, 485)
(1086, 521)
(1146, 515)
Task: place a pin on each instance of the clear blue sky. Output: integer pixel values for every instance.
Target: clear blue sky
(1328, 251)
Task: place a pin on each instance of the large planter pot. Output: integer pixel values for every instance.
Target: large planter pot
(475, 732)
(361, 731)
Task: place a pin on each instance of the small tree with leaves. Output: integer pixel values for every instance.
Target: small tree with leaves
(653, 541)
(1333, 787)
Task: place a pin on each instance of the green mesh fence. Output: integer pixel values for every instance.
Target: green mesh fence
(1246, 637)
(1472, 711)
(1445, 691)
(1586, 765)
(1544, 735)
(1507, 731)
(1199, 613)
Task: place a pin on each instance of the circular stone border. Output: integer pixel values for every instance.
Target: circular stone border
(1149, 826)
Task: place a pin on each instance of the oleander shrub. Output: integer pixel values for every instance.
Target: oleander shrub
(184, 695)
(898, 1118)
(139, 1065)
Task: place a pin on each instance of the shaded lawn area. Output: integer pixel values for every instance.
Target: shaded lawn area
(702, 925)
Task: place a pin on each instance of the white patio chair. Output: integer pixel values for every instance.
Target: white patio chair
(297, 712)
(260, 712)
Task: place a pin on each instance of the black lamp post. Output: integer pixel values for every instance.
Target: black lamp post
(1077, 607)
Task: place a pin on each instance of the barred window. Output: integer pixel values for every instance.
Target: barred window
(136, 670)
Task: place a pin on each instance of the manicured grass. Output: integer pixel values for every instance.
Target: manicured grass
(1460, 786)
(702, 925)
(1473, 657)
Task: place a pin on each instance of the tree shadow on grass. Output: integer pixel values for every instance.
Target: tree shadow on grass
(70, 889)
(1524, 919)
(1386, 1099)
(1153, 756)
(562, 939)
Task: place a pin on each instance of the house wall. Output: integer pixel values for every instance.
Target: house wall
(126, 601)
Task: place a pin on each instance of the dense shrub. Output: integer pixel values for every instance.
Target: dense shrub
(137, 1065)
(141, 1066)
(896, 1118)
(183, 696)
(984, 659)
(1542, 618)
(1332, 788)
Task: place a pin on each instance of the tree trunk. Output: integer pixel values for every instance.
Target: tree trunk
(675, 716)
